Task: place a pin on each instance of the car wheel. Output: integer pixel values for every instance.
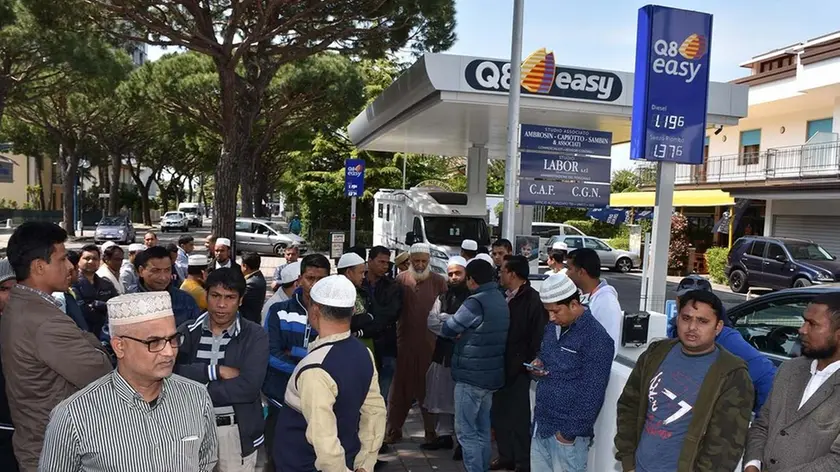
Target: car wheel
(801, 282)
(280, 250)
(738, 281)
(624, 265)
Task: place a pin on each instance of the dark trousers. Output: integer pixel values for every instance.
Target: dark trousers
(270, 427)
(511, 420)
(7, 454)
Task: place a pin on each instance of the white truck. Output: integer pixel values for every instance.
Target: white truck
(194, 211)
(422, 214)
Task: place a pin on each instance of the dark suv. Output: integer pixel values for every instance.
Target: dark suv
(758, 261)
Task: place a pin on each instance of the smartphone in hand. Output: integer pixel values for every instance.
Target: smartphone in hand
(535, 368)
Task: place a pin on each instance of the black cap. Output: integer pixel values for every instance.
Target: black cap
(693, 282)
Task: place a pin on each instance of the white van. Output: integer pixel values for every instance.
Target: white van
(546, 230)
(195, 212)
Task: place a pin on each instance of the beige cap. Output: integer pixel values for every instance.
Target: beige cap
(135, 308)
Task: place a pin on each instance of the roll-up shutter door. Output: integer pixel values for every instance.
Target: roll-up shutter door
(823, 230)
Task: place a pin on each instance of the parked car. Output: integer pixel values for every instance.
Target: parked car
(175, 220)
(771, 322)
(114, 228)
(615, 259)
(265, 237)
(777, 263)
(547, 230)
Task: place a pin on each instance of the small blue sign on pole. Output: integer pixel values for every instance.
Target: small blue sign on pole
(671, 85)
(354, 177)
(567, 140)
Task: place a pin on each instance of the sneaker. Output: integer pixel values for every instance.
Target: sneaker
(499, 464)
(442, 442)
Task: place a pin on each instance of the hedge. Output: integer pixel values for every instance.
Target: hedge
(622, 243)
(320, 239)
(595, 228)
(716, 262)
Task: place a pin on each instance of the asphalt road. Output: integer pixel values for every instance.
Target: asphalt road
(629, 287)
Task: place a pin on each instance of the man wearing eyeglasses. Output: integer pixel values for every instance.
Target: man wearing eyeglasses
(140, 416)
(229, 354)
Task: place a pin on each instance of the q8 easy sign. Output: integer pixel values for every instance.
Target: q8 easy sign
(671, 85)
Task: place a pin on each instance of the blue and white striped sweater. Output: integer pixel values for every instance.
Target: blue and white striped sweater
(289, 335)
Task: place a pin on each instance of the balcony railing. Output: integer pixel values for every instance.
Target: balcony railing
(813, 160)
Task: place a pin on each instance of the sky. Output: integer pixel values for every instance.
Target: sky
(602, 33)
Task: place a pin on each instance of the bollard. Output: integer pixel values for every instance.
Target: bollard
(9, 223)
(79, 228)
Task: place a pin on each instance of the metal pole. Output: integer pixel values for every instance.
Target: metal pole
(405, 159)
(352, 221)
(661, 238)
(511, 164)
(645, 274)
(731, 224)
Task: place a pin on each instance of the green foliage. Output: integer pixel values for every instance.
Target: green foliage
(619, 242)
(595, 228)
(563, 215)
(8, 204)
(678, 250)
(624, 181)
(716, 263)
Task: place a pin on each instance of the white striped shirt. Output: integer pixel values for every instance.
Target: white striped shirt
(108, 427)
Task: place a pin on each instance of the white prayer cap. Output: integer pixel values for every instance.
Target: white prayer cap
(351, 259)
(484, 257)
(6, 270)
(136, 247)
(139, 307)
(469, 245)
(335, 291)
(223, 242)
(560, 246)
(556, 288)
(107, 244)
(198, 260)
(458, 261)
(290, 273)
(420, 248)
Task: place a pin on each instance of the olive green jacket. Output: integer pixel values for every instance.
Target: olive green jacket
(718, 430)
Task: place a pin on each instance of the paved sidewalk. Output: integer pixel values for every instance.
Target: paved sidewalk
(407, 456)
(676, 280)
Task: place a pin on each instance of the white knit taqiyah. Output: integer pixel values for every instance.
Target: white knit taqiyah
(6, 270)
(485, 258)
(560, 246)
(135, 308)
(198, 260)
(420, 248)
(136, 247)
(223, 242)
(335, 291)
(351, 259)
(107, 244)
(556, 288)
(469, 245)
(457, 261)
(290, 273)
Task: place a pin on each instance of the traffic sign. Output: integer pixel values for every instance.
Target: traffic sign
(671, 85)
(336, 245)
(354, 177)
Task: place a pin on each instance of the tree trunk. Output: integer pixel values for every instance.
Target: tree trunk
(69, 164)
(202, 197)
(261, 194)
(39, 169)
(190, 189)
(145, 208)
(114, 191)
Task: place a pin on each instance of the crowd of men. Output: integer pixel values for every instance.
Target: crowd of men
(323, 374)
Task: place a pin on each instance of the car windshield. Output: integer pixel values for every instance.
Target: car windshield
(189, 210)
(174, 215)
(279, 227)
(804, 251)
(112, 221)
(452, 230)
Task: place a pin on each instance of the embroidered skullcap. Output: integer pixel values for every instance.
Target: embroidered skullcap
(420, 248)
(136, 247)
(458, 261)
(290, 273)
(223, 242)
(6, 271)
(135, 308)
(556, 288)
(469, 245)
(198, 260)
(335, 291)
(350, 259)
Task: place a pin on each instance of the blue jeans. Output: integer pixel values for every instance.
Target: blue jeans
(386, 375)
(472, 424)
(549, 454)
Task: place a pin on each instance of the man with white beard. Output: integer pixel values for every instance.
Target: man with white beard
(415, 343)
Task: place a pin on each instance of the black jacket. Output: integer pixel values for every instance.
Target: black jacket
(248, 352)
(527, 325)
(384, 303)
(91, 299)
(254, 298)
(449, 303)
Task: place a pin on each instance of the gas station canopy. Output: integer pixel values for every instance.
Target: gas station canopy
(445, 104)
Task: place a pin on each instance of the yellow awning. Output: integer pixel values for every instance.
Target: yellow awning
(682, 198)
